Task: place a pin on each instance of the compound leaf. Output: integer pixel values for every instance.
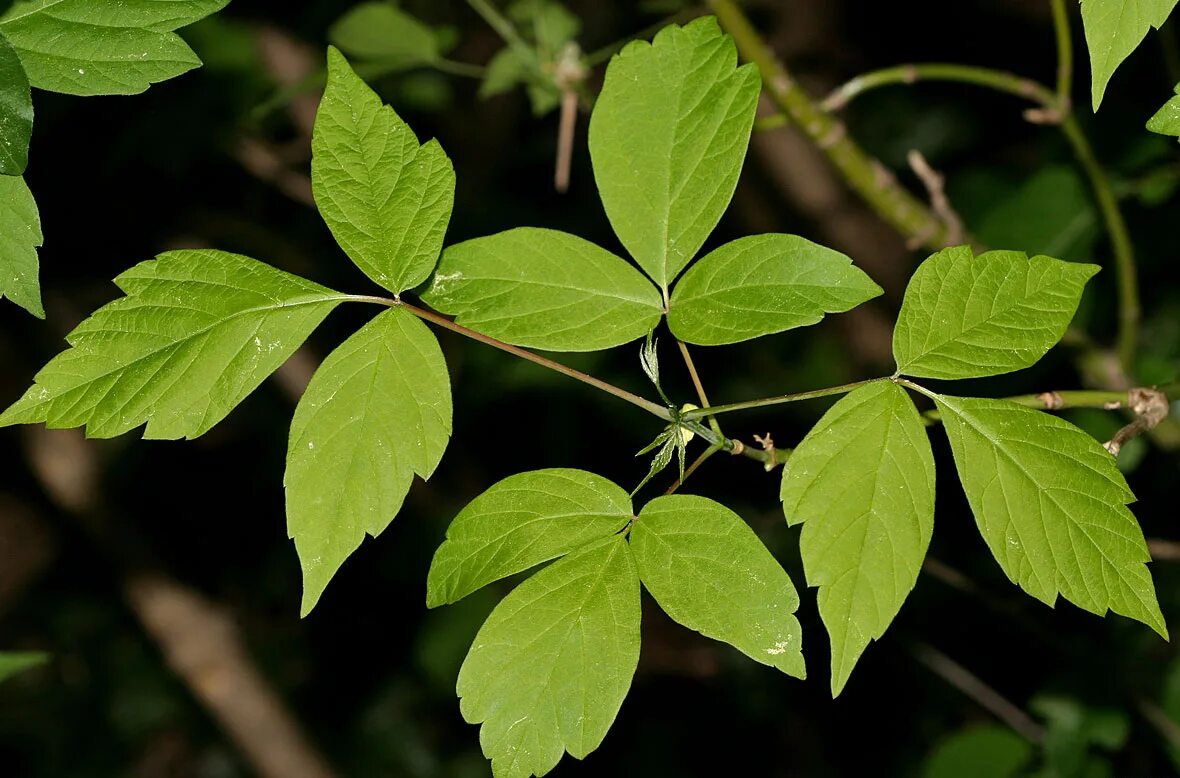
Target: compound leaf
(862, 485)
(1167, 119)
(1114, 29)
(667, 138)
(710, 572)
(386, 199)
(20, 235)
(377, 411)
(81, 47)
(196, 333)
(16, 112)
(1052, 506)
(549, 669)
(544, 289)
(763, 284)
(966, 316)
(522, 521)
(382, 33)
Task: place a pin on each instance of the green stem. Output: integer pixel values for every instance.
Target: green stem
(434, 318)
(696, 382)
(1051, 110)
(464, 69)
(710, 451)
(910, 73)
(1120, 243)
(503, 27)
(779, 400)
(1064, 54)
(1055, 401)
(871, 180)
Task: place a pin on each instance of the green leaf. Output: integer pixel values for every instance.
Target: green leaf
(547, 23)
(377, 411)
(1114, 29)
(85, 48)
(1051, 504)
(386, 199)
(544, 289)
(968, 316)
(862, 485)
(1167, 119)
(380, 32)
(20, 235)
(710, 572)
(504, 71)
(986, 751)
(1052, 213)
(520, 522)
(13, 662)
(763, 284)
(549, 669)
(196, 333)
(667, 138)
(16, 112)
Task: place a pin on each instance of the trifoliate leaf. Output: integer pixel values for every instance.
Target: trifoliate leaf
(379, 32)
(763, 284)
(16, 112)
(862, 485)
(967, 316)
(667, 138)
(549, 669)
(20, 235)
(520, 522)
(544, 289)
(386, 199)
(1051, 504)
(710, 572)
(13, 662)
(1167, 119)
(1114, 29)
(196, 333)
(377, 411)
(81, 47)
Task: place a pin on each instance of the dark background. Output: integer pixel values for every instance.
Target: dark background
(370, 674)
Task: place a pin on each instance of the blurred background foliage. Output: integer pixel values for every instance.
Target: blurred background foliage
(219, 158)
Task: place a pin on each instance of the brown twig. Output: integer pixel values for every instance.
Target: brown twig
(198, 639)
(988, 698)
(1150, 407)
(935, 184)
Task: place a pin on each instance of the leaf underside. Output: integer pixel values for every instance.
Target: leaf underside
(377, 412)
(544, 289)
(1166, 120)
(196, 333)
(862, 485)
(1052, 506)
(710, 572)
(520, 522)
(550, 667)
